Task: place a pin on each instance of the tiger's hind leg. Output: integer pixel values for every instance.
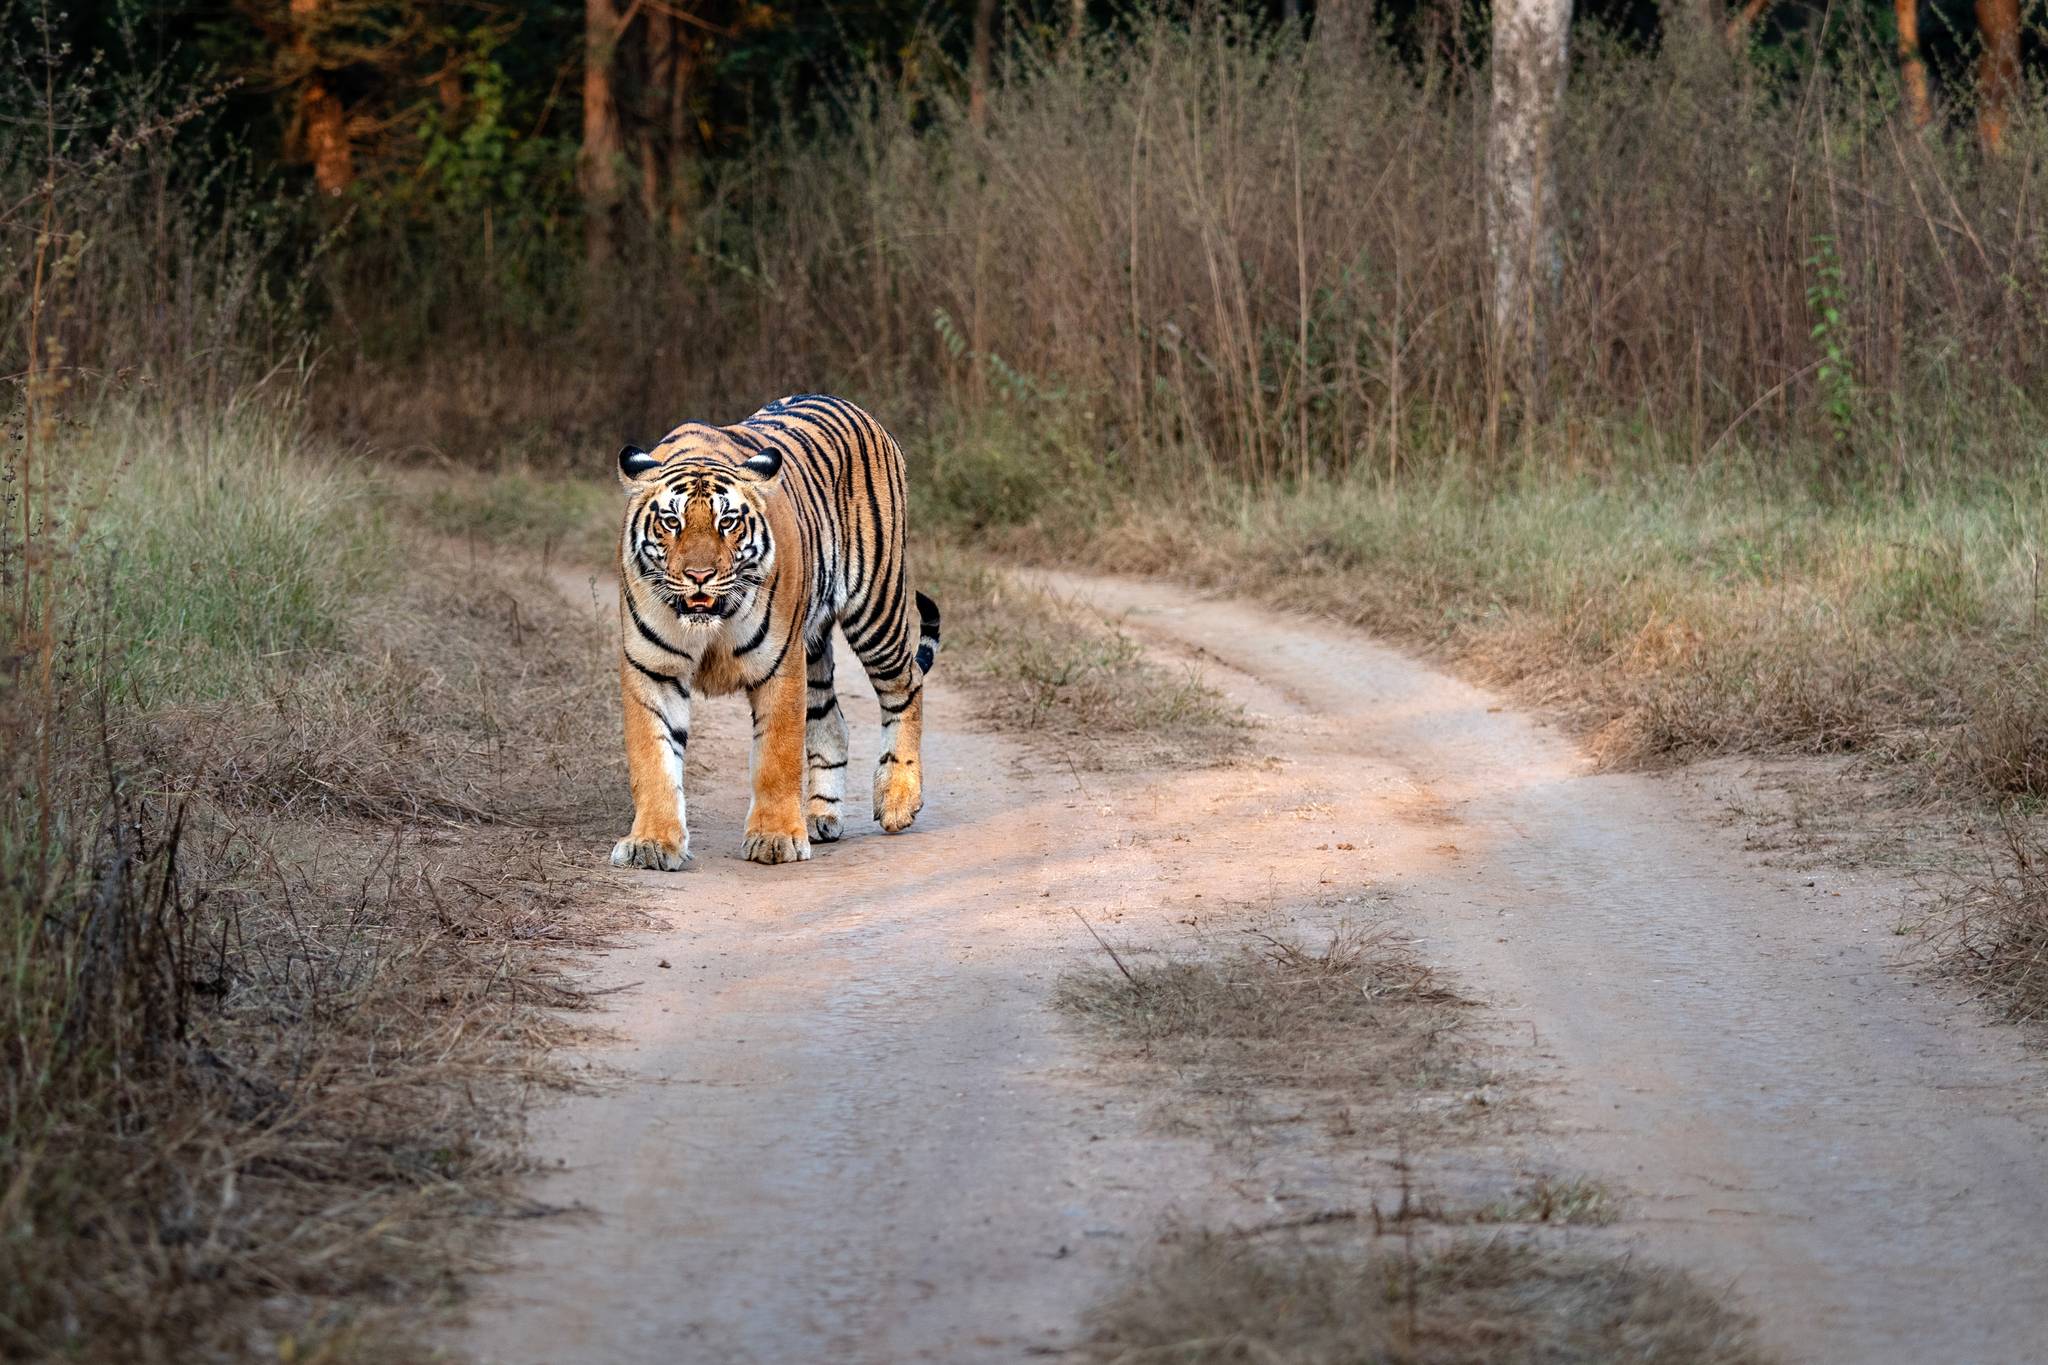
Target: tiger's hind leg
(824, 746)
(899, 776)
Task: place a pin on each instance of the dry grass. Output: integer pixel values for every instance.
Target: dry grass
(290, 959)
(1064, 676)
(1489, 1302)
(1671, 617)
(322, 1134)
(468, 691)
(1993, 931)
(1355, 1033)
(1200, 251)
(1576, 1201)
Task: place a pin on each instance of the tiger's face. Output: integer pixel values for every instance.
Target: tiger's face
(697, 532)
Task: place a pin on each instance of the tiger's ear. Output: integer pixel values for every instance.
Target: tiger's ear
(635, 464)
(765, 464)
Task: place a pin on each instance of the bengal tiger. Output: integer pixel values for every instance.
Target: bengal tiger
(743, 547)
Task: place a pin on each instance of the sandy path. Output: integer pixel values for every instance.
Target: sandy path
(850, 1130)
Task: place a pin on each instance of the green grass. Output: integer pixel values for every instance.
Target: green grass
(213, 553)
(578, 516)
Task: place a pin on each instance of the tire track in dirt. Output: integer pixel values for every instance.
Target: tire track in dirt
(1851, 1149)
(847, 1126)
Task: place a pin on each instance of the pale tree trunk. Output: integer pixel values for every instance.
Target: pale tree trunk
(1337, 26)
(597, 161)
(323, 121)
(1077, 22)
(981, 63)
(1529, 60)
(1912, 67)
(1998, 70)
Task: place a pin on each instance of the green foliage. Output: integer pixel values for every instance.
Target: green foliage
(214, 554)
(993, 473)
(475, 159)
(1826, 298)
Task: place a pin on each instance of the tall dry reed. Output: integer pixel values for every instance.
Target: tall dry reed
(1208, 248)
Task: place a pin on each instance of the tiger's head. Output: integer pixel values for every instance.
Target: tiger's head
(697, 530)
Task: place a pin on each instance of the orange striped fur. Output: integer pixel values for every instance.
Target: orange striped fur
(743, 548)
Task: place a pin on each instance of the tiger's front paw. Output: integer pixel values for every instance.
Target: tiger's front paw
(899, 793)
(656, 855)
(764, 847)
(823, 825)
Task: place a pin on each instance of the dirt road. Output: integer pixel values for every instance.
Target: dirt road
(850, 1129)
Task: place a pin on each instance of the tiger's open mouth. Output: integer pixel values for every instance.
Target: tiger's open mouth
(701, 607)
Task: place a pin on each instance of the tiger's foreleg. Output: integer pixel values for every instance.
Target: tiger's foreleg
(824, 747)
(657, 740)
(775, 821)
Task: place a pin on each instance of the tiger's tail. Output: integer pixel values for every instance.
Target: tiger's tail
(927, 632)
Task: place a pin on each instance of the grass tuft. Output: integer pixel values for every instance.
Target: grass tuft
(1993, 932)
(1065, 675)
(1277, 992)
(1219, 1301)
(1356, 1023)
(1548, 1199)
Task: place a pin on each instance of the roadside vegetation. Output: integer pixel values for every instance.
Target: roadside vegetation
(282, 953)
(1671, 613)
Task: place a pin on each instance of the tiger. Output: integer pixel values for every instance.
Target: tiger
(743, 548)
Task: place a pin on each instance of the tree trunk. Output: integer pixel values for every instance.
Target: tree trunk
(658, 152)
(323, 122)
(1529, 60)
(597, 161)
(1998, 70)
(682, 134)
(982, 62)
(1912, 68)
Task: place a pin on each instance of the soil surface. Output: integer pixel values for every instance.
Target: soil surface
(846, 1125)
